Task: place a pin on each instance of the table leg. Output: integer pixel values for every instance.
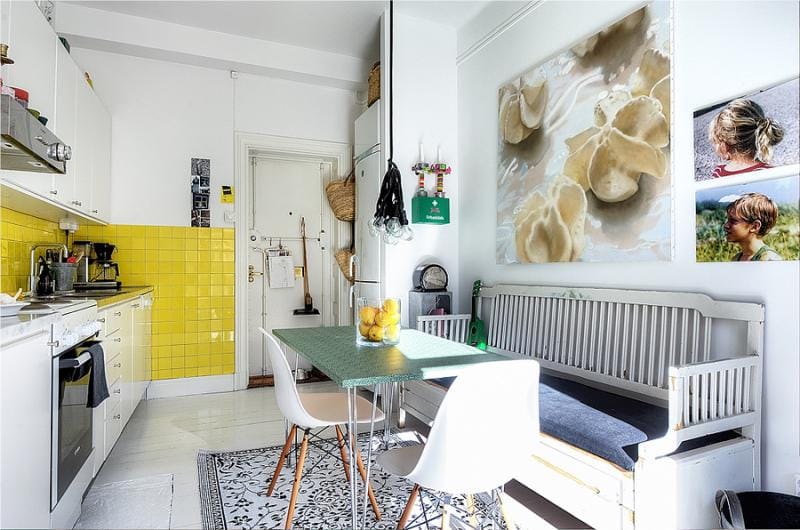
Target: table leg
(352, 437)
(369, 453)
(387, 429)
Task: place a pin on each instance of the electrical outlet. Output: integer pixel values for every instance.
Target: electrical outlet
(68, 224)
(797, 484)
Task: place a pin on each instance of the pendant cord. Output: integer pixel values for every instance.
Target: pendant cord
(391, 79)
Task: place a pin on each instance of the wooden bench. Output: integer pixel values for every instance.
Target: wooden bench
(697, 357)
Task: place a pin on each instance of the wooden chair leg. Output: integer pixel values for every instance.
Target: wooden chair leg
(279, 465)
(345, 462)
(298, 475)
(409, 507)
(363, 472)
(504, 512)
(471, 510)
(445, 516)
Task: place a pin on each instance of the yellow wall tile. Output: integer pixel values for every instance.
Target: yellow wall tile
(190, 269)
(18, 231)
(193, 290)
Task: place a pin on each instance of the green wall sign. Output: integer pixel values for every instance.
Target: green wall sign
(430, 210)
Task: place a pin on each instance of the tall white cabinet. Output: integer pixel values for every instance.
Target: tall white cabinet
(58, 89)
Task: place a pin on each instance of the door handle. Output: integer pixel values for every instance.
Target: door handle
(352, 295)
(353, 260)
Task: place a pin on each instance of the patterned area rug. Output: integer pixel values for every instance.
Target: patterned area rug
(233, 487)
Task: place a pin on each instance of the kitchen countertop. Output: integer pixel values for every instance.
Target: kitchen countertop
(27, 324)
(105, 299)
(21, 326)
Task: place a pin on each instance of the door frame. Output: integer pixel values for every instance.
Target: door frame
(248, 145)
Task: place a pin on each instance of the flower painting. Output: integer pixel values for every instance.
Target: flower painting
(584, 149)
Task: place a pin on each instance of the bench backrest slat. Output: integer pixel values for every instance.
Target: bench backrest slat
(629, 337)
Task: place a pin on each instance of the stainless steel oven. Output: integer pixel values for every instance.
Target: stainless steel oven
(72, 419)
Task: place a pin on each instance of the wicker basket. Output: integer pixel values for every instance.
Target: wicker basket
(342, 197)
(343, 259)
(374, 93)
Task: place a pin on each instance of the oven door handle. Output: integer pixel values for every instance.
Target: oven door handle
(77, 362)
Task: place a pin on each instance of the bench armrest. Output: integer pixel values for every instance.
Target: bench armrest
(709, 397)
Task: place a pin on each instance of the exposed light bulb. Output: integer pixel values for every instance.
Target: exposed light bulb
(393, 227)
(407, 234)
(375, 227)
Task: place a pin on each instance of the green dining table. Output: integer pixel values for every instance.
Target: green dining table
(418, 355)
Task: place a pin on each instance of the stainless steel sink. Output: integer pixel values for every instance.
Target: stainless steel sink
(92, 294)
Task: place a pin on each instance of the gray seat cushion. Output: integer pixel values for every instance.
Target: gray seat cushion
(602, 423)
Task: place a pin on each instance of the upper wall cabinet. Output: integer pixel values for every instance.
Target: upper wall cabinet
(32, 45)
(67, 79)
(101, 163)
(58, 89)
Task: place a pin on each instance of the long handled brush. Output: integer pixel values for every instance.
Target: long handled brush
(308, 308)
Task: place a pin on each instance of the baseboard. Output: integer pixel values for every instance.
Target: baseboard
(189, 386)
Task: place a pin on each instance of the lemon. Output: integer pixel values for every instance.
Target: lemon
(393, 332)
(391, 306)
(367, 315)
(394, 319)
(364, 330)
(382, 318)
(375, 334)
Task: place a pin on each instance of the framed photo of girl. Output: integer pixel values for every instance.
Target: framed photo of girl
(753, 132)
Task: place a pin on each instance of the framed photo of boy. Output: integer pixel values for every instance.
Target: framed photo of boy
(749, 221)
(749, 133)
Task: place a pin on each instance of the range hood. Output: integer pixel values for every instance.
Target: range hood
(27, 145)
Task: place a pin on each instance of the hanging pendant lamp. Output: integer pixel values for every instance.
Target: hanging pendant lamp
(390, 220)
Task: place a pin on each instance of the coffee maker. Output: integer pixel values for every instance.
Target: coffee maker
(100, 271)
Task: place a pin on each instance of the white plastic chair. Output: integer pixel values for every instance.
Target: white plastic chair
(487, 426)
(313, 411)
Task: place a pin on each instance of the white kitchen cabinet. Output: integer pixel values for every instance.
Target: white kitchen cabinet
(32, 45)
(101, 163)
(142, 344)
(127, 345)
(58, 89)
(63, 124)
(25, 371)
(83, 150)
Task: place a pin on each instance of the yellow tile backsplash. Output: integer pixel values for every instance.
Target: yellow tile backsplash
(18, 231)
(191, 270)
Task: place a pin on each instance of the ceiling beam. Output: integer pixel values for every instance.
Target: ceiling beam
(142, 37)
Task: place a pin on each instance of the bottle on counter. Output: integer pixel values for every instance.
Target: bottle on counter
(45, 286)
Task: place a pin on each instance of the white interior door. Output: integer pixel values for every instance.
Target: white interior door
(283, 192)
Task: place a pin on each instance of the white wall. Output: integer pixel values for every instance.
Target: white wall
(717, 54)
(165, 113)
(425, 110)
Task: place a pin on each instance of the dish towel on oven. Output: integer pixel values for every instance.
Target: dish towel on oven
(98, 388)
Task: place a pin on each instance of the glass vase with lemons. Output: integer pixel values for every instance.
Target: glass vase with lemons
(378, 321)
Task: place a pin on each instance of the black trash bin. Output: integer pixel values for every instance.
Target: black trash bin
(757, 509)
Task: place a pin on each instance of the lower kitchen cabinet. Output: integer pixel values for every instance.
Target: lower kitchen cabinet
(127, 344)
(25, 390)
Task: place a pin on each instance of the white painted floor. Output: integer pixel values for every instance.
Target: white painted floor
(164, 435)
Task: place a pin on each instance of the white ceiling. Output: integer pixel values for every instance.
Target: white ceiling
(345, 27)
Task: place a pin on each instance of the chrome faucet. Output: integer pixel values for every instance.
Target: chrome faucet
(32, 277)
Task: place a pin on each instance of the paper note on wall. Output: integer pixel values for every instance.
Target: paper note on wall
(281, 272)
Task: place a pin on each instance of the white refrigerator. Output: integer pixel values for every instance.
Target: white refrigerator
(366, 263)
